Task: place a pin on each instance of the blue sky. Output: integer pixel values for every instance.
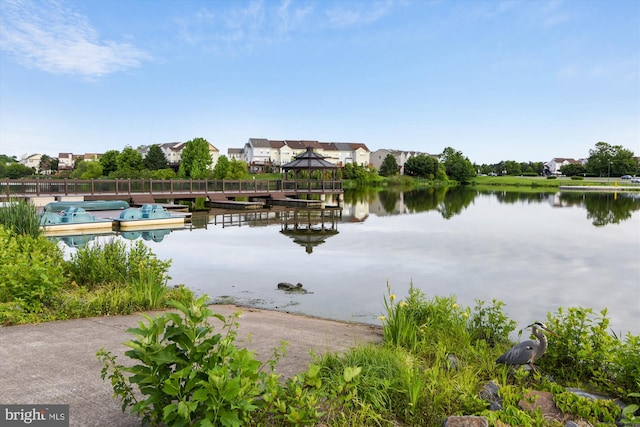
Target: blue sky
(497, 80)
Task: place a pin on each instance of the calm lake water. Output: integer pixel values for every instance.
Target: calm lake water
(534, 251)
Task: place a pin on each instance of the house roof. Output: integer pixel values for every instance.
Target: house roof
(260, 142)
(303, 144)
(563, 159)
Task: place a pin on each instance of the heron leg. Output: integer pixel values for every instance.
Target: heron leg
(532, 367)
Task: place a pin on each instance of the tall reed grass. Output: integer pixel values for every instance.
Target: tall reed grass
(21, 217)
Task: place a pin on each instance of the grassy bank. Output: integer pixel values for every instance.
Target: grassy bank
(438, 359)
(543, 182)
(38, 284)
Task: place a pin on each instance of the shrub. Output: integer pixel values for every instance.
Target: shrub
(31, 273)
(585, 352)
(113, 262)
(577, 178)
(552, 177)
(186, 374)
(490, 323)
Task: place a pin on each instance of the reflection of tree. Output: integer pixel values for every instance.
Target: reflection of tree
(449, 201)
(602, 208)
(360, 195)
(388, 200)
(572, 199)
(519, 196)
(607, 208)
(424, 199)
(455, 201)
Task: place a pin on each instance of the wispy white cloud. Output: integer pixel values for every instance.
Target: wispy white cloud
(245, 26)
(349, 14)
(49, 36)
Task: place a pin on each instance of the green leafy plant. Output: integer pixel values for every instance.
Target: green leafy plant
(31, 273)
(586, 353)
(594, 411)
(629, 416)
(186, 373)
(490, 323)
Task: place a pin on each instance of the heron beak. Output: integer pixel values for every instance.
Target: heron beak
(551, 332)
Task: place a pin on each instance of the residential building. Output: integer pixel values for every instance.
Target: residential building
(262, 154)
(553, 166)
(32, 161)
(235, 154)
(66, 161)
(378, 156)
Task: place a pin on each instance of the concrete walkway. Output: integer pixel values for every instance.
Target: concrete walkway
(55, 363)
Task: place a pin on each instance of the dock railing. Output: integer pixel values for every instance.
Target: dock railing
(16, 188)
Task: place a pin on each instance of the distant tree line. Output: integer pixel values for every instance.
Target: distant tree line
(604, 160)
(195, 163)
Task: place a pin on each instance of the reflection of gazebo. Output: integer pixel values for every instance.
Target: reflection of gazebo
(309, 161)
(310, 228)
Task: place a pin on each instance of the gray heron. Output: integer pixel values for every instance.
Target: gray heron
(528, 351)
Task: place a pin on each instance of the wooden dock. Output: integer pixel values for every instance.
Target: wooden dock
(233, 204)
(300, 203)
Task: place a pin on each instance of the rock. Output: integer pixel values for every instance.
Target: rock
(495, 406)
(465, 421)
(452, 362)
(286, 286)
(489, 392)
(542, 400)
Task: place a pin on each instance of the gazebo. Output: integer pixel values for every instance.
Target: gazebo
(310, 228)
(310, 161)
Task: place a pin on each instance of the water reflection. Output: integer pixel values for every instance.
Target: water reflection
(77, 241)
(156, 235)
(80, 240)
(310, 227)
(602, 208)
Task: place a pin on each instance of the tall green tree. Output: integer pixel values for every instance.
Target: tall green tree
(237, 170)
(46, 164)
(512, 167)
(87, 170)
(109, 161)
(130, 164)
(195, 159)
(457, 166)
(221, 168)
(422, 165)
(614, 160)
(130, 158)
(155, 158)
(389, 166)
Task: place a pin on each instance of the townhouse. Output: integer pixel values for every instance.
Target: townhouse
(265, 155)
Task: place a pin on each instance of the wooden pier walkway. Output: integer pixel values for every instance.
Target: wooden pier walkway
(149, 190)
